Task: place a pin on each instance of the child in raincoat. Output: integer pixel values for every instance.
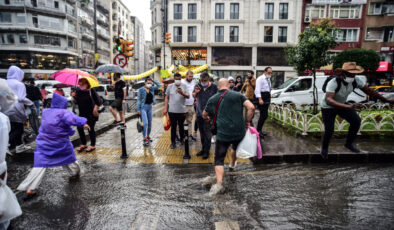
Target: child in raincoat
(54, 147)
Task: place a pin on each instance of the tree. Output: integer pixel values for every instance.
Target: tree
(311, 52)
(368, 59)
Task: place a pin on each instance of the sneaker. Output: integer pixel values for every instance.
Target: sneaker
(201, 153)
(22, 148)
(216, 189)
(10, 153)
(173, 146)
(232, 168)
(213, 140)
(209, 180)
(115, 122)
(352, 148)
(192, 138)
(177, 139)
(74, 178)
(149, 139)
(146, 142)
(324, 153)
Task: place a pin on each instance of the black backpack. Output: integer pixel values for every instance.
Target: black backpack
(338, 79)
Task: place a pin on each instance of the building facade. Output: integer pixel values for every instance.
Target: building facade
(139, 46)
(232, 37)
(48, 35)
(149, 58)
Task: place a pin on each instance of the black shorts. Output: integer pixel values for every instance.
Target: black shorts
(117, 104)
(221, 150)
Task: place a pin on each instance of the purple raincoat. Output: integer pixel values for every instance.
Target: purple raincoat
(54, 147)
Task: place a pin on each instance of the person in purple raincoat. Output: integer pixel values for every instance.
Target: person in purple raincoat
(54, 147)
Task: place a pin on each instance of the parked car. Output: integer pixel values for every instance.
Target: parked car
(299, 91)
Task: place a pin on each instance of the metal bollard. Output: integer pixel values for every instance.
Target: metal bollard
(186, 141)
(123, 138)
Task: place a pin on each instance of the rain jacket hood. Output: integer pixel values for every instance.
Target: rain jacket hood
(15, 73)
(58, 102)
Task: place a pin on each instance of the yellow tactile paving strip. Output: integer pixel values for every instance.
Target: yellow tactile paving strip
(158, 153)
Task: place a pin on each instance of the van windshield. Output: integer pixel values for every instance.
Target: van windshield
(287, 83)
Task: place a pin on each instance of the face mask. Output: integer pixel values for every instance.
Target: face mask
(349, 79)
(204, 84)
(148, 86)
(268, 75)
(177, 82)
(83, 88)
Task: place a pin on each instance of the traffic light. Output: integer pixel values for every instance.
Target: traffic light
(118, 46)
(127, 47)
(168, 38)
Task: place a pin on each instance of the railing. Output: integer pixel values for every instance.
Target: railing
(374, 118)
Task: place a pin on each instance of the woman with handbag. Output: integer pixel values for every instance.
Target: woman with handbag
(145, 101)
(88, 105)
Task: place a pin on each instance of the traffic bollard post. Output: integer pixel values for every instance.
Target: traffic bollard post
(123, 139)
(186, 141)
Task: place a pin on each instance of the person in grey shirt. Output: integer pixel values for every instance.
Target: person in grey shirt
(174, 104)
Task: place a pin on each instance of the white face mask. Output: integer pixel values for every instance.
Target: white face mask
(349, 79)
(268, 75)
(148, 85)
(177, 82)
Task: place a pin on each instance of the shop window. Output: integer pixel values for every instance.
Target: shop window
(224, 56)
(271, 56)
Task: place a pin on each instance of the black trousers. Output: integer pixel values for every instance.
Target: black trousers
(177, 119)
(16, 134)
(329, 116)
(263, 116)
(92, 133)
(205, 134)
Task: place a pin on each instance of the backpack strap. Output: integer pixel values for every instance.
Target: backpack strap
(217, 107)
(339, 83)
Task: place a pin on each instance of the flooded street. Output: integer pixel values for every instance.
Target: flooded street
(153, 196)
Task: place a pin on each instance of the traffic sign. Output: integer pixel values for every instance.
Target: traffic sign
(120, 60)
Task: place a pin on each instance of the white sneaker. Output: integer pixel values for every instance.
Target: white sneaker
(216, 189)
(232, 168)
(213, 140)
(208, 180)
(9, 153)
(22, 148)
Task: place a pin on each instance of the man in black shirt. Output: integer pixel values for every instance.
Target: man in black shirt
(34, 94)
(120, 99)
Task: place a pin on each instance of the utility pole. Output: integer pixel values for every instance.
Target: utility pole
(95, 31)
(164, 29)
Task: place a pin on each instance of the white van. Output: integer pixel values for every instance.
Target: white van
(299, 91)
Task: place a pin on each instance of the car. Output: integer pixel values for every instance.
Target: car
(299, 91)
(387, 92)
(49, 87)
(101, 92)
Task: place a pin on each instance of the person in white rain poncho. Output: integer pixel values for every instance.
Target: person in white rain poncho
(9, 207)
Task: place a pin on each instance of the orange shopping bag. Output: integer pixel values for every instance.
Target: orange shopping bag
(166, 122)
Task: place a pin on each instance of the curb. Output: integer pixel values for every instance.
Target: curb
(332, 158)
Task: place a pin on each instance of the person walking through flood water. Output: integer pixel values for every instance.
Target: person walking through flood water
(54, 147)
(226, 107)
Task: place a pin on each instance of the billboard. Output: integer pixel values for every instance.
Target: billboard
(339, 2)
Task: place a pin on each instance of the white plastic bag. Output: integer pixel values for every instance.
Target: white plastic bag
(9, 206)
(248, 146)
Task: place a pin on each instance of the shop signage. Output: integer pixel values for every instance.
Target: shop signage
(387, 48)
(336, 2)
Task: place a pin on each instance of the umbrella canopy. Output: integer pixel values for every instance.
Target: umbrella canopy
(72, 76)
(110, 68)
(61, 85)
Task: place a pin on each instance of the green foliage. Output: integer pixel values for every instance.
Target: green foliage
(368, 59)
(311, 52)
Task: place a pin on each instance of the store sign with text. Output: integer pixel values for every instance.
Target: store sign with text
(337, 2)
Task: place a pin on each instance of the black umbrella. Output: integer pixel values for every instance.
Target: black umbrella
(110, 68)
(61, 85)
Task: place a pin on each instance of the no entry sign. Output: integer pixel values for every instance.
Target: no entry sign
(120, 60)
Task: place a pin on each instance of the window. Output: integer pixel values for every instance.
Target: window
(381, 8)
(271, 56)
(219, 33)
(46, 40)
(177, 34)
(34, 3)
(374, 34)
(177, 11)
(301, 85)
(223, 56)
(269, 11)
(283, 11)
(192, 13)
(347, 35)
(192, 34)
(234, 33)
(22, 38)
(35, 21)
(315, 11)
(71, 43)
(20, 18)
(5, 17)
(56, 4)
(282, 34)
(219, 11)
(388, 34)
(345, 11)
(268, 33)
(234, 11)
(7, 39)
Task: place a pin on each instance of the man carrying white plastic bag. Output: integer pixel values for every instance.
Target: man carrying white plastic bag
(225, 111)
(9, 207)
(248, 146)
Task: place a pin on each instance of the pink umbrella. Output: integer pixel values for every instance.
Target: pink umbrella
(71, 77)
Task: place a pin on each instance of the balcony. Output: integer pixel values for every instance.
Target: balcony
(88, 35)
(13, 3)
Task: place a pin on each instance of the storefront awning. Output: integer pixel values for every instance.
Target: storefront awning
(384, 66)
